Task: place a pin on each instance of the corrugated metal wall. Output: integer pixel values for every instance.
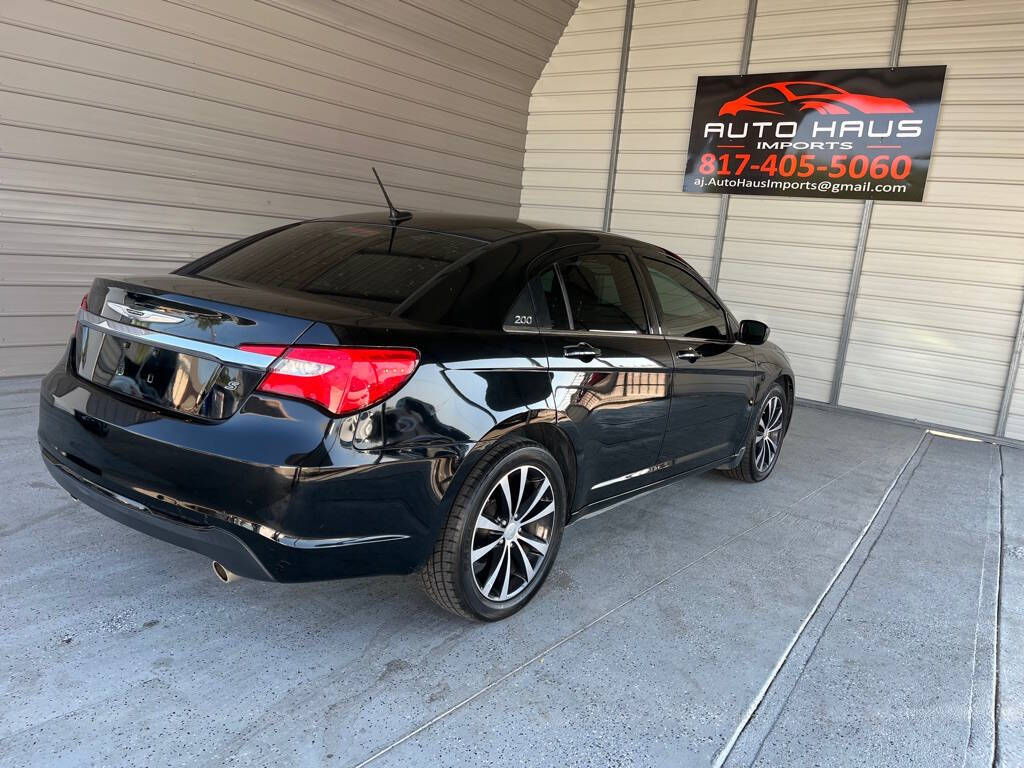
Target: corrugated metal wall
(942, 281)
(570, 126)
(787, 261)
(671, 44)
(138, 134)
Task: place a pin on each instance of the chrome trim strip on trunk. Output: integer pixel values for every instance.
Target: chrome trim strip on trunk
(296, 542)
(222, 354)
(144, 315)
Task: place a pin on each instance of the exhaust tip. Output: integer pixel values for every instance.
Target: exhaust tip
(223, 573)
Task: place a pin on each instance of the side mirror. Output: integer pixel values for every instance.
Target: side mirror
(753, 332)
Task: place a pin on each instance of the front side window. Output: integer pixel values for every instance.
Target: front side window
(603, 294)
(687, 308)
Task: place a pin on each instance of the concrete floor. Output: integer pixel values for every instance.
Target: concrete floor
(844, 612)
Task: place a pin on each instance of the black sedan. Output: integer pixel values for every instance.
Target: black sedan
(441, 394)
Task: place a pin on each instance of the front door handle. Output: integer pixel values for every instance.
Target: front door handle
(581, 351)
(689, 353)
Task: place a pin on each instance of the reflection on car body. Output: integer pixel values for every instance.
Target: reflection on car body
(368, 394)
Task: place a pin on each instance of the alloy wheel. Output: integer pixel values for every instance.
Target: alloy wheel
(769, 433)
(512, 533)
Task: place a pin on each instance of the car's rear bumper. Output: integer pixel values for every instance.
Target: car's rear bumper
(303, 509)
(216, 543)
(250, 549)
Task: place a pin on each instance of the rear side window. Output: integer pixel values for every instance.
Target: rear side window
(603, 294)
(553, 300)
(376, 266)
(541, 305)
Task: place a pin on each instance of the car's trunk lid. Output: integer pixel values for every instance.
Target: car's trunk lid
(174, 342)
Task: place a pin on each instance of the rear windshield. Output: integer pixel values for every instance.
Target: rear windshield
(379, 267)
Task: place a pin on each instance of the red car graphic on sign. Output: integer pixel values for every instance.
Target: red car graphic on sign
(783, 97)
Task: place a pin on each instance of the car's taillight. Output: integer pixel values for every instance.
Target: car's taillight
(84, 305)
(341, 379)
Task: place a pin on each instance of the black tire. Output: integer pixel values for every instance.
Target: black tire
(452, 578)
(751, 468)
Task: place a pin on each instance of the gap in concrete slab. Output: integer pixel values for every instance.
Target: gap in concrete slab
(806, 722)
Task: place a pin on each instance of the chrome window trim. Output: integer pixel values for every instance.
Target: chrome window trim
(217, 352)
(703, 340)
(584, 334)
(519, 329)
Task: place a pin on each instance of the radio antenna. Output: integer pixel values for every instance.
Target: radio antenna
(395, 216)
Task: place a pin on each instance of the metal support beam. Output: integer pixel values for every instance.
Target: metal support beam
(1011, 375)
(897, 33)
(862, 234)
(716, 252)
(620, 97)
(851, 299)
(723, 203)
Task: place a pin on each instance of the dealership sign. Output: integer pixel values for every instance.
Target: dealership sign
(842, 133)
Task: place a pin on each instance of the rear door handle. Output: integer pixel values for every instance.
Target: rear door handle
(581, 351)
(689, 353)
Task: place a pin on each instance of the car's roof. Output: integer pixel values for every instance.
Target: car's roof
(487, 229)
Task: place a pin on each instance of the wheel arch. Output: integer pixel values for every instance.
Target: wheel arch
(789, 386)
(543, 431)
(558, 445)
